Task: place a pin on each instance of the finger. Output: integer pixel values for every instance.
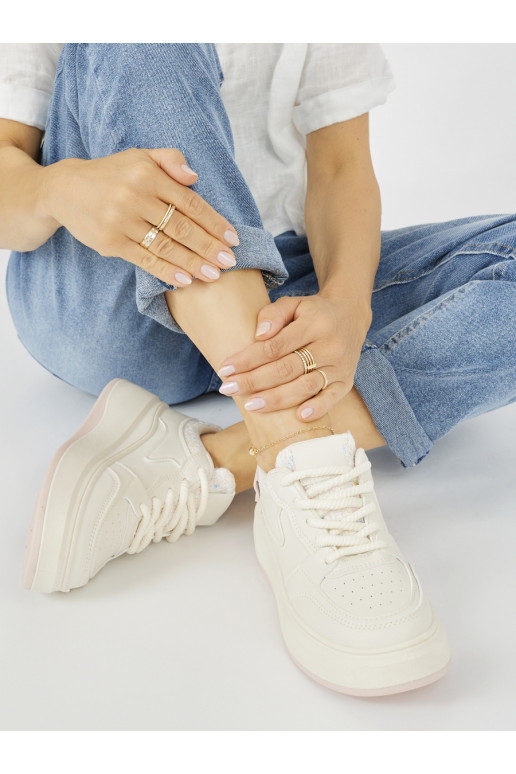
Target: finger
(273, 317)
(183, 230)
(196, 208)
(286, 395)
(319, 405)
(281, 371)
(164, 270)
(292, 337)
(168, 250)
(172, 161)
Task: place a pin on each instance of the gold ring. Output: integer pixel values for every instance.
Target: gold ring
(149, 237)
(166, 217)
(325, 379)
(307, 358)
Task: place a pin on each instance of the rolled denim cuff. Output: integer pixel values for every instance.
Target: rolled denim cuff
(377, 383)
(257, 250)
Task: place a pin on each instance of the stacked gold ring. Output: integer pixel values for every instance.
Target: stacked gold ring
(151, 235)
(307, 358)
(166, 217)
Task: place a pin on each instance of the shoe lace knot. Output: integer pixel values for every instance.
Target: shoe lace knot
(337, 498)
(178, 515)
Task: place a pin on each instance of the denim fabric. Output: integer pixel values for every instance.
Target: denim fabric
(111, 97)
(442, 344)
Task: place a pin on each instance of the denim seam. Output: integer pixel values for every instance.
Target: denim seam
(408, 276)
(397, 337)
(499, 268)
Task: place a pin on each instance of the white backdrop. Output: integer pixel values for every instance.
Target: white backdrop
(186, 636)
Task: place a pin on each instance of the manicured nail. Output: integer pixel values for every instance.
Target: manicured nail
(187, 169)
(231, 238)
(184, 278)
(229, 388)
(254, 403)
(264, 327)
(226, 371)
(307, 412)
(210, 272)
(227, 259)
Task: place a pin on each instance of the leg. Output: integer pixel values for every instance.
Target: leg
(442, 320)
(443, 341)
(232, 305)
(88, 318)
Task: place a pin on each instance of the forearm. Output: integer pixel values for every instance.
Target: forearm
(343, 214)
(24, 221)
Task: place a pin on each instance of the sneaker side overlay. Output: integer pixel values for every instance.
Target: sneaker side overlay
(135, 472)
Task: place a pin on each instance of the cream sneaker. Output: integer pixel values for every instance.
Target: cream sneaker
(352, 611)
(136, 471)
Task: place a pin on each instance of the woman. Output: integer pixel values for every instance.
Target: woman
(371, 338)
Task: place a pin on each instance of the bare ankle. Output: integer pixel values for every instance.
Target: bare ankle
(266, 455)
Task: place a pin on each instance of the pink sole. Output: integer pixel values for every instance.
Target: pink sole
(364, 692)
(33, 544)
(371, 692)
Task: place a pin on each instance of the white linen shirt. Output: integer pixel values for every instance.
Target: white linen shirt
(274, 93)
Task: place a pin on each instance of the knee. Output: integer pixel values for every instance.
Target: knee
(137, 95)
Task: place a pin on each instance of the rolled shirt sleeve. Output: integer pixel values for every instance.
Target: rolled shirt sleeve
(27, 73)
(340, 81)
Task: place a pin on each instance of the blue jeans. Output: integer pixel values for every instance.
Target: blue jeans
(442, 344)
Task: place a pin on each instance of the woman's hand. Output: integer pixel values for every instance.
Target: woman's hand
(111, 203)
(271, 375)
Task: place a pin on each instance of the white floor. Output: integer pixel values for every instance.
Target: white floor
(185, 636)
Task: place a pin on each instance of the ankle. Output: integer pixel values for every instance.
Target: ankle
(229, 449)
(266, 454)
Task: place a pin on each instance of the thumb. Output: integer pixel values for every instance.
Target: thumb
(172, 161)
(273, 317)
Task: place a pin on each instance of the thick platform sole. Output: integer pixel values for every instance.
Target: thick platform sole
(357, 673)
(122, 415)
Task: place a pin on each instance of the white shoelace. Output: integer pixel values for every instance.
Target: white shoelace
(348, 533)
(177, 516)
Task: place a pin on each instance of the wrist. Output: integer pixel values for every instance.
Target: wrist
(45, 195)
(356, 304)
(55, 184)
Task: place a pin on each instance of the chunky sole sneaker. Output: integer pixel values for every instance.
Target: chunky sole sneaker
(136, 471)
(352, 611)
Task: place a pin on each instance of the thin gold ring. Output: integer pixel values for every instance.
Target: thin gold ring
(149, 237)
(325, 379)
(166, 217)
(307, 358)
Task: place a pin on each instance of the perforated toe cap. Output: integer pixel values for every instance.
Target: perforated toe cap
(384, 590)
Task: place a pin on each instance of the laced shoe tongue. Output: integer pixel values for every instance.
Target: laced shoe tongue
(331, 451)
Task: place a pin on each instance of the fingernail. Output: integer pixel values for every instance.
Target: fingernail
(226, 371)
(210, 272)
(229, 388)
(307, 412)
(254, 403)
(264, 327)
(231, 238)
(227, 259)
(180, 277)
(187, 169)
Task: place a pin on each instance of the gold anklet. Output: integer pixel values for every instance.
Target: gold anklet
(253, 450)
